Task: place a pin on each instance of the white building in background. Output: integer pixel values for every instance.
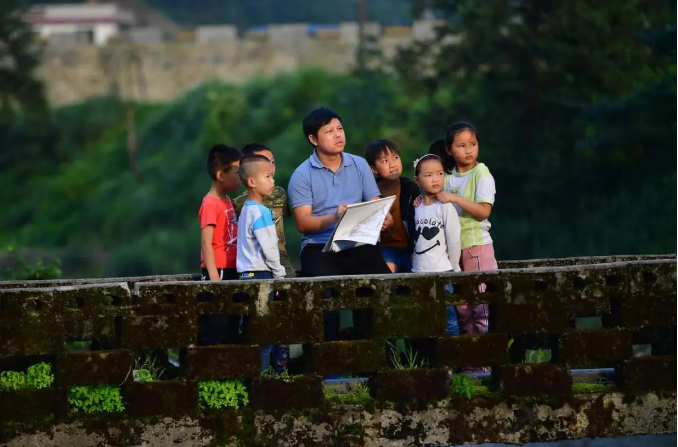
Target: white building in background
(90, 22)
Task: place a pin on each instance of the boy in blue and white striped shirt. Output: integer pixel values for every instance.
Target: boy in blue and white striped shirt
(258, 255)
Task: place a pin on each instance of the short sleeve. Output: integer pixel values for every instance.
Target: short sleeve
(285, 204)
(239, 202)
(299, 190)
(209, 213)
(485, 189)
(370, 188)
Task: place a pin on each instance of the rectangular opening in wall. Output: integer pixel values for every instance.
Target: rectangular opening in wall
(469, 382)
(346, 390)
(654, 341)
(154, 364)
(414, 353)
(348, 324)
(293, 358)
(533, 348)
(78, 346)
(593, 380)
(31, 372)
(642, 350)
(220, 329)
(584, 323)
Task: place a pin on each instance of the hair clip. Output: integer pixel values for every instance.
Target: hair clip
(416, 162)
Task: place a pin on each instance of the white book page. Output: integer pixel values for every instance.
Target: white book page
(360, 224)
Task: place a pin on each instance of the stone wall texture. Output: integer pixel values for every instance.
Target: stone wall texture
(158, 72)
(533, 304)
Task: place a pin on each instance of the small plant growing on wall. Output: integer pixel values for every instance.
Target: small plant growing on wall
(36, 376)
(272, 373)
(405, 357)
(147, 368)
(217, 394)
(354, 393)
(95, 399)
(465, 386)
(537, 355)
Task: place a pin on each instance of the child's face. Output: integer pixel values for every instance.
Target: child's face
(262, 182)
(464, 150)
(269, 155)
(431, 176)
(388, 165)
(229, 178)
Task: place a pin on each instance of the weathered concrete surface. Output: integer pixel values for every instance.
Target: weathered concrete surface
(131, 280)
(635, 300)
(450, 421)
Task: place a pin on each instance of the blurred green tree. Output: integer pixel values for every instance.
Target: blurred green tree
(19, 58)
(561, 93)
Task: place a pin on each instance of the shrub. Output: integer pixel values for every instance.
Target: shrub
(36, 376)
(95, 399)
(217, 394)
(12, 380)
(466, 386)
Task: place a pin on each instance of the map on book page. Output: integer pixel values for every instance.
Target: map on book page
(360, 225)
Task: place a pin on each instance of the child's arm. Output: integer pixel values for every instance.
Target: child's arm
(264, 232)
(478, 210)
(206, 235)
(452, 236)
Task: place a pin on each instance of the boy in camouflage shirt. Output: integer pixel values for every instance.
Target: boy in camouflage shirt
(276, 202)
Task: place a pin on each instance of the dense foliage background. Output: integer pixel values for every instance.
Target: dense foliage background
(575, 103)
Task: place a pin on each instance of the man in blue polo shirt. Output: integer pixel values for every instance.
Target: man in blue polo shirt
(319, 191)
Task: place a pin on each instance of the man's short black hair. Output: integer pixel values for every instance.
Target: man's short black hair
(248, 166)
(220, 158)
(250, 149)
(316, 119)
(376, 147)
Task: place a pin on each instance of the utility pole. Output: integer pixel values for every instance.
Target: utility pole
(362, 18)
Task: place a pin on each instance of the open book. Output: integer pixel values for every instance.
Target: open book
(360, 225)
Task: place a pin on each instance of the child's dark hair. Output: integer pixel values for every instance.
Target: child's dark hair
(452, 131)
(316, 119)
(438, 148)
(427, 157)
(376, 147)
(220, 158)
(250, 149)
(457, 128)
(248, 166)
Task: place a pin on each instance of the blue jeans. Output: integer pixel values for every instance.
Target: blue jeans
(401, 257)
(452, 322)
(265, 349)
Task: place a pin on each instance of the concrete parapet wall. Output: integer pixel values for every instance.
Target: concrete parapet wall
(635, 300)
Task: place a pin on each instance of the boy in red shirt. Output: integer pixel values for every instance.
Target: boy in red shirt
(218, 237)
(218, 222)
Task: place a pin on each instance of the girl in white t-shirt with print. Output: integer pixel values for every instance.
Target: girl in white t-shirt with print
(437, 231)
(469, 186)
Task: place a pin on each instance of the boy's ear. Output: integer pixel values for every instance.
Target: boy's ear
(251, 182)
(374, 171)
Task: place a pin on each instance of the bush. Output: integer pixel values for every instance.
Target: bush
(217, 394)
(18, 268)
(95, 399)
(36, 376)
